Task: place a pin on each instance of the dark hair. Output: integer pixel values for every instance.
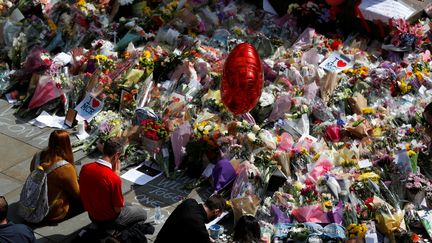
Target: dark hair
(216, 201)
(247, 229)
(112, 146)
(3, 208)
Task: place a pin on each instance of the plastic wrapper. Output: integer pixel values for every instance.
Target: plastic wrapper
(311, 91)
(223, 174)
(328, 85)
(247, 205)
(333, 133)
(321, 111)
(305, 39)
(268, 139)
(185, 70)
(388, 221)
(315, 214)
(10, 30)
(283, 161)
(279, 216)
(296, 128)
(179, 139)
(247, 181)
(46, 90)
(281, 106)
(321, 167)
(357, 103)
(4, 80)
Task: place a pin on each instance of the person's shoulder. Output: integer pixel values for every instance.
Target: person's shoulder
(19, 228)
(190, 201)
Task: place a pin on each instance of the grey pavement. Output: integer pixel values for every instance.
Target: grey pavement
(19, 141)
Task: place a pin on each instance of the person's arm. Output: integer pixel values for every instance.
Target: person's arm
(200, 232)
(117, 196)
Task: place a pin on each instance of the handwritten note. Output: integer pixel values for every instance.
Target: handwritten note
(385, 9)
(336, 62)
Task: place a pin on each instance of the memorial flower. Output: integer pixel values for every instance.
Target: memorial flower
(154, 130)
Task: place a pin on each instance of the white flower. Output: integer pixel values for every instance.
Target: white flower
(251, 137)
(266, 99)
(125, 2)
(208, 127)
(255, 128)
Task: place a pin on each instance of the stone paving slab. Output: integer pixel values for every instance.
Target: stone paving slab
(19, 171)
(65, 230)
(13, 151)
(16, 128)
(8, 184)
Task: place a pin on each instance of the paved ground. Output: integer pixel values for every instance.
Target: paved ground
(18, 143)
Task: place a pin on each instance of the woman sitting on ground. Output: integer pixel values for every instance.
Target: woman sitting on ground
(63, 188)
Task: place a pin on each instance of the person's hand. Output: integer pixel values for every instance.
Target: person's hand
(116, 166)
(212, 240)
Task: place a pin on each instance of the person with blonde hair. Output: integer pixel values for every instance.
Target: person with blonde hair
(62, 183)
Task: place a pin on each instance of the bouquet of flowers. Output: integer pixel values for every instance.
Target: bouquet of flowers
(154, 130)
(153, 133)
(108, 124)
(416, 182)
(299, 232)
(208, 131)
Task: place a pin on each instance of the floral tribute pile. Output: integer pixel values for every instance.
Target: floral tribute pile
(339, 118)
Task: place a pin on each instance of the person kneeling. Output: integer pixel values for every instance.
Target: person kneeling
(187, 221)
(101, 194)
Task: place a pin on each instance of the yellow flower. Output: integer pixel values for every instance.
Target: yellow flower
(376, 132)
(368, 110)
(328, 204)
(369, 175)
(101, 58)
(81, 3)
(419, 75)
(146, 54)
(411, 153)
(404, 87)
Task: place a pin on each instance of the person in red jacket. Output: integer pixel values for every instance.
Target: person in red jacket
(101, 194)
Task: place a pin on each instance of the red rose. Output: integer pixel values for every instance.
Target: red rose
(335, 45)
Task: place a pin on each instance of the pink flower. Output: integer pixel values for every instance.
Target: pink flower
(409, 185)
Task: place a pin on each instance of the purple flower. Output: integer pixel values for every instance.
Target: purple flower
(417, 184)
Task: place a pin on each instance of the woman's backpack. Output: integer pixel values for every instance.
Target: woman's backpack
(33, 205)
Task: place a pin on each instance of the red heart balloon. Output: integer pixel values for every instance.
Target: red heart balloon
(242, 79)
(341, 63)
(95, 103)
